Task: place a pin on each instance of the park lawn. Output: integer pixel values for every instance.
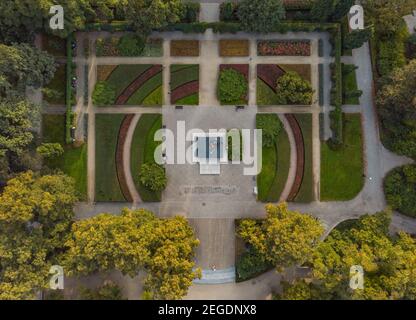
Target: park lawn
(74, 160)
(306, 192)
(181, 74)
(265, 95)
(142, 151)
(58, 83)
(191, 100)
(268, 173)
(349, 84)
(124, 75)
(342, 171)
(149, 88)
(107, 187)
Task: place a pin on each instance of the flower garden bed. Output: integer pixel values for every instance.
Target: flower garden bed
(284, 48)
(232, 86)
(133, 84)
(184, 48)
(234, 48)
(111, 47)
(185, 84)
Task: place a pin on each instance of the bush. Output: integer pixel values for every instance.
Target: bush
(251, 264)
(50, 150)
(292, 89)
(131, 45)
(228, 12)
(153, 177)
(270, 126)
(191, 12)
(260, 15)
(108, 291)
(232, 86)
(104, 94)
(400, 189)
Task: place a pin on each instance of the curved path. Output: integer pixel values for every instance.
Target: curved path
(293, 159)
(300, 156)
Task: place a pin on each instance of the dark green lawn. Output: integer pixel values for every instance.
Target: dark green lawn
(107, 188)
(181, 74)
(349, 84)
(143, 147)
(124, 74)
(58, 84)
(306, 192)
(342, 171)
(74, 160)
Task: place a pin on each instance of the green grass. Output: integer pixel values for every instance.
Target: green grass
(74, 160)
(124, 74)
(58, 83)
(342, 170)
(143, 147)
(265, 95)
(349, 84)
(107, 187)
(155, 98)
(306, 192)
(191, 100)
(147, 89)
(275, 169)
(180, 76)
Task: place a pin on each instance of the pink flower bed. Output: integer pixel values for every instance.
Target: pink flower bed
(284, 48)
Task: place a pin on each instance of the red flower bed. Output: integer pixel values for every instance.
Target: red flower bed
(269, 73)
(284, 48)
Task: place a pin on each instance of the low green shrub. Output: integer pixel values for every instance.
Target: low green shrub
(131, 45)
(270, 126)
(251, 264)
(153, 177)
(228, 12)
(104, 94)
(191, 12)
(232, 86)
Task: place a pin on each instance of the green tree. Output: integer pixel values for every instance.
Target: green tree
(260, 15)
(270, 126)
(153, 176)
(389, 263)
(104, 94)
(292, 89)
(146, 15)
(50, 150)
(285, 238)
(131, 45)
(396, 101)
(107, 291)
(135, 241)
(322, 10)
(232, 86)
(35, 219)
(356, 39)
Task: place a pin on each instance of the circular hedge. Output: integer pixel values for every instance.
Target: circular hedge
(232, 86)
(400, 190)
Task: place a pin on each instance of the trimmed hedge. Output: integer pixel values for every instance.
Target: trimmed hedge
(69, 93)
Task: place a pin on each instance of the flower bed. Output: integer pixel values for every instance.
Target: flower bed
(184, 48)
(284, 48)
(234, 48)
(114, 47)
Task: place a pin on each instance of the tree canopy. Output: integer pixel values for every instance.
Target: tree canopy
(232, 86)
(135, 241)
(292, 89)
(260, 15)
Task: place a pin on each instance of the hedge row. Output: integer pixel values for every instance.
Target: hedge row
(69, 92)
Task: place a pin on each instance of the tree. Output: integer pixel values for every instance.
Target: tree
(389, 263)
(232, 86)
(104, 94)
(107, 291)
(50, 150)
(23, 65)
(260, 15)
(153, 177)
(285, 238)
(135, 241)
(146, 15)
(292, 89)
(35, 220)
(400, 189)
(270, 126)
(322, 10)
(342, 8)
(396, 101)
(356, 39)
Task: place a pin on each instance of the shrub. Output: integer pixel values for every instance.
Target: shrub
(400, 189)
(251, 264)
(50, 150)
(108, 291)
(270, 126)
(232, 86)
(260, 15)
(153, 177)
(104, 94)
(292, 89)
(228, 12)
(130, 45)
(191, 12)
